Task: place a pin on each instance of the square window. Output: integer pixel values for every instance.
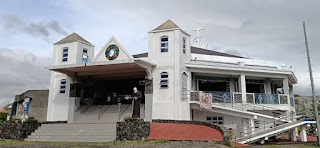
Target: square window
(64, 59)
(164, 86)
(63, 82)
(214, 118)
(65, 54)
(164, 39)
(219, 118)
(62, 91)
(164, 44)
(220, 123)
(65, 50)
(164, 49)
(208, 118)
(85, 51)
(164, 76)
(62, 87)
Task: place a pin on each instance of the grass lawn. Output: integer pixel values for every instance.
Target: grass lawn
(93, 144)
(135, 144)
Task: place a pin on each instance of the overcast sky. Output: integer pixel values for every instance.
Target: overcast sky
(267, 30)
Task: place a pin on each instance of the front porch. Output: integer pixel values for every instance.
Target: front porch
(101, 92)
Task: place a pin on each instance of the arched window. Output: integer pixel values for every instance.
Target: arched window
(164, 80)
(184, 45)
(63, 84)
(65, 54)
(184, 81)
(164, 44)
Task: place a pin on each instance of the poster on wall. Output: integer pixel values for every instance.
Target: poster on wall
(205, 100)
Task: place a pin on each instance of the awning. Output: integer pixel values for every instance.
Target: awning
(120, 69)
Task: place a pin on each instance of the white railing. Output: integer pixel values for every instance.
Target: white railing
(236, 97)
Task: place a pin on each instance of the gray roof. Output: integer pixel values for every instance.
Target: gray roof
(166, 25)
(72, 38)
(197, 50)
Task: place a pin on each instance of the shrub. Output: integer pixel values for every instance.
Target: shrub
(27, 121)
(3, 117)
(132, 119)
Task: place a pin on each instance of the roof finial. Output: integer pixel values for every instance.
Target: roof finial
(197, 41)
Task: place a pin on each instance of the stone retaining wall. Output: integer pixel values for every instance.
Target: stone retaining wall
(223, 130)
(17, 131)
(132, 131)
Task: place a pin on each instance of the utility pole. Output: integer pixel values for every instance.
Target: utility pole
(312, 84)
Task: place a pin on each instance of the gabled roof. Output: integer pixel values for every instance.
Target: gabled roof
(72, 38)
(167, 25)
(196, 50)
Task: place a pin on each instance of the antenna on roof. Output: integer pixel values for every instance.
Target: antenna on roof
(199, 41)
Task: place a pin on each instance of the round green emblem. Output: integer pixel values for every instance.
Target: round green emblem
(112, 52)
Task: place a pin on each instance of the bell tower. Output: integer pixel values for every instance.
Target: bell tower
(169, 49)
(71, 50)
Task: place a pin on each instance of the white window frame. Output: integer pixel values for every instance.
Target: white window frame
(65, 54)
(63, 86)
(184, 45)
(85, 55)
(164, 48)
(164, 80)
(215, 120)
(184, 81)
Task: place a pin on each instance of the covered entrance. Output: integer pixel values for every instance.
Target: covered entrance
(100, 89)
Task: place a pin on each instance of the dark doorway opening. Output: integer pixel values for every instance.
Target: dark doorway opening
(111, 92)
(205, 85)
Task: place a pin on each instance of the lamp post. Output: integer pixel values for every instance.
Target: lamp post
(315, 103)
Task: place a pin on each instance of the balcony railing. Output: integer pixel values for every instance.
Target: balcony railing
(236, 97)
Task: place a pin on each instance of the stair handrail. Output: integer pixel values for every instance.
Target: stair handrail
(102, 109)
(122, 110)
(274, 127)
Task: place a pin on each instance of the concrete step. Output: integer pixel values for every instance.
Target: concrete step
(70, 139)
(79, 125)
(74, 131)
(79, 133)
(78, 128)
(70, 136)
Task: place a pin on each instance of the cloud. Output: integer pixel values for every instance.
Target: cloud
(42, 29)
(22, 71)
(265, 30)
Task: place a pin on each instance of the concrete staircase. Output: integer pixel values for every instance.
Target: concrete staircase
(273, 131)
(74, 133)
(102, 114)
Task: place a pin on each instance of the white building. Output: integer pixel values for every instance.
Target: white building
(250, 96)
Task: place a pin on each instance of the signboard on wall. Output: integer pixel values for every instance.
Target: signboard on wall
(205, 100)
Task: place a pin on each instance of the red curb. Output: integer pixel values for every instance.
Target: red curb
(176, 131)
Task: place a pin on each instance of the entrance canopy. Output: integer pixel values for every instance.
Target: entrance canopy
(121, 69)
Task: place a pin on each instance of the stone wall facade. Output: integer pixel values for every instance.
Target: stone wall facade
(132, 131)
(17, 131)
(223, 130)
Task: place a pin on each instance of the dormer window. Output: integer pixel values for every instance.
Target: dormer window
(164, 44)
(164, 80)
(85, 55)
(64, 54)
(184, 45)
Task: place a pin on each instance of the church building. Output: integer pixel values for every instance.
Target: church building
(179, 78)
